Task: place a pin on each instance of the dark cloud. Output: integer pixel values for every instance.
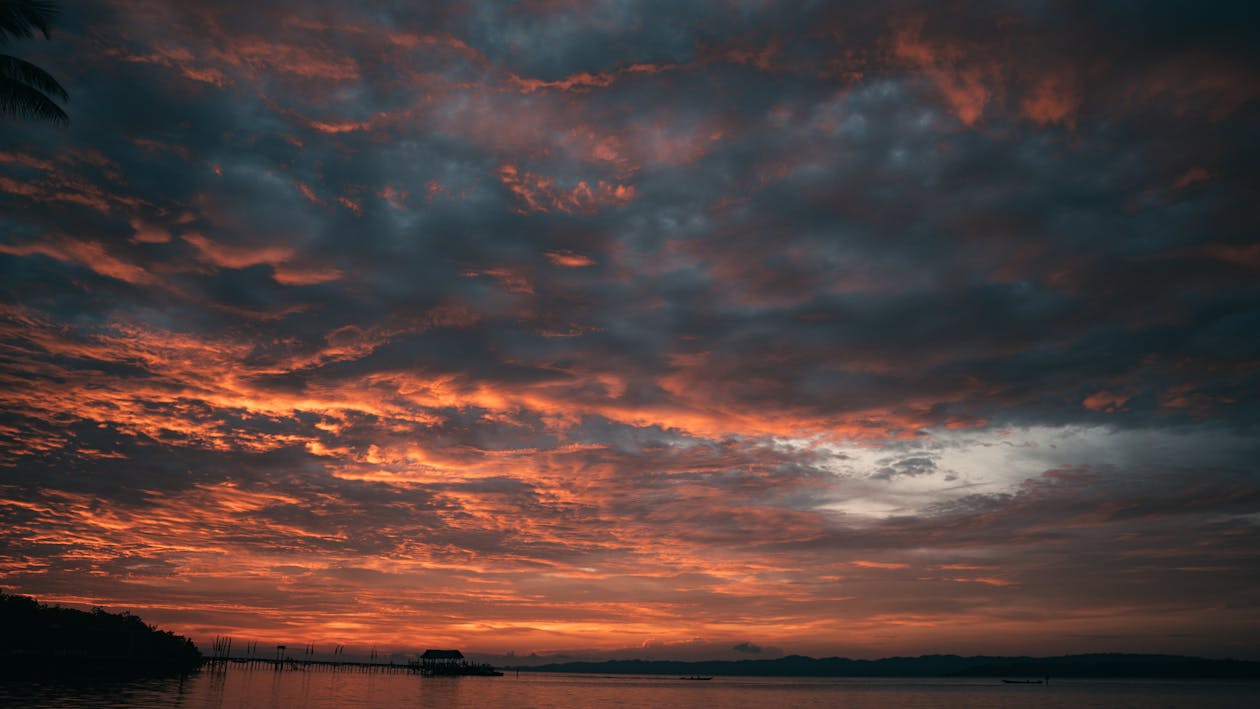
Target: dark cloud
(717, 317)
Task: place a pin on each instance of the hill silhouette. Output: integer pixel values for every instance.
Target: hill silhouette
(50, 641)
(1095, 665)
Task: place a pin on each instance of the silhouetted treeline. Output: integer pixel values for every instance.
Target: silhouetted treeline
(1101, 665)
(37, 640)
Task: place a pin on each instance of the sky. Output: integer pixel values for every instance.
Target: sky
(586, 328)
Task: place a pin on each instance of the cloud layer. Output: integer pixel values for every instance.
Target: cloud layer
(699, 328)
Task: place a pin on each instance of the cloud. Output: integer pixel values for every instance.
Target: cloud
(534, 326)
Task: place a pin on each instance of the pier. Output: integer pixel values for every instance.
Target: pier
(221, 657)
(289, 664)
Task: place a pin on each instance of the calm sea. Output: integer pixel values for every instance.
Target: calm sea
(245, 687)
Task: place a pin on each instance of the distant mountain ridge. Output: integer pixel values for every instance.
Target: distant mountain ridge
(1093, 665)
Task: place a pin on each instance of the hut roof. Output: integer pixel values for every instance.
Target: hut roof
(442, 655)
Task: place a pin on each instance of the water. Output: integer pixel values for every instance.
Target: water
(238, 687)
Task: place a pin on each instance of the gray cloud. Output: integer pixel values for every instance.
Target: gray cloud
(560, 304)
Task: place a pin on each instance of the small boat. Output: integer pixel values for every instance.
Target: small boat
(696, 678)
(1021, 681)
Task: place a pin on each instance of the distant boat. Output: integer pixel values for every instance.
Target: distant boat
(1021, 681)
(696, 678)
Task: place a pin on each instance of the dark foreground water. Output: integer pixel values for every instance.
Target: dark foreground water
(245, 687)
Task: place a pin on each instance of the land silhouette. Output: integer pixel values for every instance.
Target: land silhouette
(1080, 666)
(42, 641)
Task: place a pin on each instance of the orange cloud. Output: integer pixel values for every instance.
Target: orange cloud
(89, 254)
(1192, 176)
(69, 182)
(28, 161)
(582, 82)
(965, 84)
(1108, 401)
(511, 281)
(1053, 99)
(334, 127)
(879, 565)
(296, 276)
(1246, 255)
(230, 256)
(148, 233)
(395, 197)
(305, 59)
(308, 193)
(569, 259)
(539, 193)
(179, 58)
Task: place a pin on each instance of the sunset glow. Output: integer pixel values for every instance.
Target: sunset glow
(632, 329)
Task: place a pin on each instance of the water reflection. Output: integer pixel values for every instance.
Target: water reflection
(234, 687)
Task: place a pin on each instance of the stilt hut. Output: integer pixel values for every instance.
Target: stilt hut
(438, 663)
(441, 662)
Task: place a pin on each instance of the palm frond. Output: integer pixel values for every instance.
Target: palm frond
(23, 101)
(27, 73)
(22, 18)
